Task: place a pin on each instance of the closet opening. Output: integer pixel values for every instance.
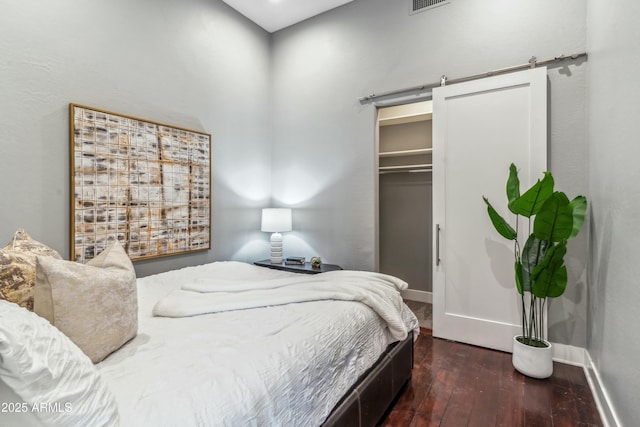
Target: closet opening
(404, 202)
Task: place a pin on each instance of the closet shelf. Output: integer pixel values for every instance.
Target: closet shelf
(402, 118)
(401, 153)
(425, 167)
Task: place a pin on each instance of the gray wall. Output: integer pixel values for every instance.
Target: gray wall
(190, 63)
(614, 177)
(323, 158)
(405, 212)
(197, 64)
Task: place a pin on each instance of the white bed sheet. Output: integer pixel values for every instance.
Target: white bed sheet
(273, 366)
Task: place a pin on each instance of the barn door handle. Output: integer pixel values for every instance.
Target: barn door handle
(437, 244)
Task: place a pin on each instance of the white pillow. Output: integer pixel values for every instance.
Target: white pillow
(94, 304)
(55, 380)
(15, 412)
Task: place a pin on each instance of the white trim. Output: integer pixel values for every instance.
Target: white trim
(420, 296)
(579, 356)
(569, 354)
(402, 100)
(600, 395)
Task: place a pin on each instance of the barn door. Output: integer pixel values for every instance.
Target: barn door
(479, 128)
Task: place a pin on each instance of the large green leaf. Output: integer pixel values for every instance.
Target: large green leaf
(579, 209)
(513, 187)
(554, 222)
(533, 253)
(550, 276)
(501, 225)
(534, 198)
(518, 271)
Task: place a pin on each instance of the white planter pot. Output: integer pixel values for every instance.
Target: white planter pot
(535, 362)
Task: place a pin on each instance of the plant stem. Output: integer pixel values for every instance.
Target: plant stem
(532, 318)
(524, 317)
(542, 304)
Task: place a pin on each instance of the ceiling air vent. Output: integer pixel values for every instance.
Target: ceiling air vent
(422, 5)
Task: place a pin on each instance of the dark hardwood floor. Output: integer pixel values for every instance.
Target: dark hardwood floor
(459, 385)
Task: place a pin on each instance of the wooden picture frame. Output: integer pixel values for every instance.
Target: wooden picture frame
(143, 183)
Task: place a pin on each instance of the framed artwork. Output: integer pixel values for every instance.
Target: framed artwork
(143, 183)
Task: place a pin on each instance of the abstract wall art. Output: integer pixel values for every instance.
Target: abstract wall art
(143, 183)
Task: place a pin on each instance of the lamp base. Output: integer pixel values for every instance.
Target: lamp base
(276, 248)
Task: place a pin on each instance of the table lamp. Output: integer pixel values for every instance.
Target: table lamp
(275, 220)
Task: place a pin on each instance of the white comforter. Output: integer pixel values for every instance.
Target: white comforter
(379, 292)
(285, 365)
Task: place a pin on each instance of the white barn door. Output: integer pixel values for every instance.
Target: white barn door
(479, 128)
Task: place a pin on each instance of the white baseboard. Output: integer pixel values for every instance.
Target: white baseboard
(600, 395)
(420, 296)
(579, 356)
(569, 354)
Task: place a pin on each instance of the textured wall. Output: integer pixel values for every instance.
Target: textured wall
(192, 63)
(197, 64)
(614, 177)
(323, 159)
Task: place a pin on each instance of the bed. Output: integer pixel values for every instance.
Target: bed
(328, 360)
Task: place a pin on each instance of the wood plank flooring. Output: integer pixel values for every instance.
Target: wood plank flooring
(459, 385)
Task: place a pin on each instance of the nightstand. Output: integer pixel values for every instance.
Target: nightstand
(305, 269)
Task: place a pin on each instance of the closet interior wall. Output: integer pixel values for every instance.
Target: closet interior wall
(405, 195)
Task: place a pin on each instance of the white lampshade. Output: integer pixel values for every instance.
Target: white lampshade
(275, 220)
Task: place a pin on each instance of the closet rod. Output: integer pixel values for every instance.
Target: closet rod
(383, 172)
(533, 62)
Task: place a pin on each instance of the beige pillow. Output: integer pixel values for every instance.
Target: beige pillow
(18, 268)
(94, 304)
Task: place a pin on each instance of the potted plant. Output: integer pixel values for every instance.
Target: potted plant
(540, 272)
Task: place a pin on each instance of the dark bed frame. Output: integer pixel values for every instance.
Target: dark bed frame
(371, 398)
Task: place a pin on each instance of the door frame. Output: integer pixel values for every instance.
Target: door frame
(409, 294)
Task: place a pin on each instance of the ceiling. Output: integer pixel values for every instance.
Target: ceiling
(273, 15)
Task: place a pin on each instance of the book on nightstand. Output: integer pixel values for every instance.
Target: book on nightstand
(294, 260)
